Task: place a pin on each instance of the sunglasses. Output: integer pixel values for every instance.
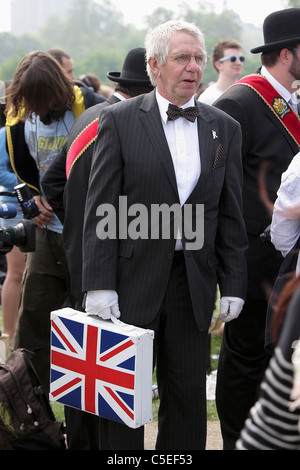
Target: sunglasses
(233, 58)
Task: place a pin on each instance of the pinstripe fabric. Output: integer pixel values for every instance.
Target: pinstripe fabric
(131, 158)
(181, 368)
(171, 293)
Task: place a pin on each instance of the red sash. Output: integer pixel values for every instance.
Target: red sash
(80, 144)
(275, 103)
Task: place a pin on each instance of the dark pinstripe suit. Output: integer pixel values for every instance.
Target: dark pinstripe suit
(132, 158)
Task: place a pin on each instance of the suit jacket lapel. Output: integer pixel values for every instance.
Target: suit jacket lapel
(151, 120)
(208, 133)
(208, 138)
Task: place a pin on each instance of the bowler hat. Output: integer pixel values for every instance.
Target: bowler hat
(280, 29)
(134, 70)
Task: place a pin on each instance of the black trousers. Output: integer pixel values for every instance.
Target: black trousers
(83, 430)
(180, 354)
(241, 368)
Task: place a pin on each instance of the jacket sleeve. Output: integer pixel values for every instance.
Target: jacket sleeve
(8, 178)
(54, 182)
(285, 226)
(22, 162)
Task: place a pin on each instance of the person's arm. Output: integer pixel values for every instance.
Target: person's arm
(8, 179)
(285, 226)
(54, 182)
(100, 249)
(232, 240)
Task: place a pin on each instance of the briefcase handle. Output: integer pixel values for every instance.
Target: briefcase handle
(118, 322)
(127, 327)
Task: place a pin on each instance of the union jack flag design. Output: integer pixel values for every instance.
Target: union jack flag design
(94, 369)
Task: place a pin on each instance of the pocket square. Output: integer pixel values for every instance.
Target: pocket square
(220, 157)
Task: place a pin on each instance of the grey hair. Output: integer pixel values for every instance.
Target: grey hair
(157, 42)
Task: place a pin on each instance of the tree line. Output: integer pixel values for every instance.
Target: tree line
(97, 38)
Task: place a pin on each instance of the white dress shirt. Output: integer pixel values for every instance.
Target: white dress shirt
(182, 138)
(183, 141)
(285, 226)
(211, 94)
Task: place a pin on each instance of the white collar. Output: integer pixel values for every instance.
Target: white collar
(119, 96)
(275, 84)
(163, 105)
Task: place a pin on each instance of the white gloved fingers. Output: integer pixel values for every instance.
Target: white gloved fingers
(224, 309)
(104, 313)
(234, 311)
(230, 308)
(115, 311)
(224, 306)
(91, 304)
(102, 303)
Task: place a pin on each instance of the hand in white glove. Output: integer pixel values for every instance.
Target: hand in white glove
(103, 303)
(230, 308)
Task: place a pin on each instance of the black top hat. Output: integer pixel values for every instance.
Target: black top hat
(134, 70)
(281, 29)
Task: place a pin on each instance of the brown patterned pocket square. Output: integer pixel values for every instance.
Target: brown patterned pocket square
(220, 157)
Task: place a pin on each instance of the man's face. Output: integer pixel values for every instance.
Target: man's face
(231, 69)
(295, 66)
(68, 66)
(179, 78)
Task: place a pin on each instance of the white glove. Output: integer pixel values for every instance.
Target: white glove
(103, 303)
(230, 308)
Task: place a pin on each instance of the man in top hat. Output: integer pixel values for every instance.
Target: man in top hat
(69, 172)
(263, 104)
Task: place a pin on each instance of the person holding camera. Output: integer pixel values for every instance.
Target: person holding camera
(42, 105)
(69, 171)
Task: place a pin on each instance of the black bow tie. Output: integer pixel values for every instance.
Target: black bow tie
(174, 112)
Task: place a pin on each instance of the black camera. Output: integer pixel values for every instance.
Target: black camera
(21, 235)
(26, 201)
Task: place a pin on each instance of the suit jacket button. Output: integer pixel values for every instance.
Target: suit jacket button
(170, 255)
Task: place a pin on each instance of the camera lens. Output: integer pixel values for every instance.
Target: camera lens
(21, 235)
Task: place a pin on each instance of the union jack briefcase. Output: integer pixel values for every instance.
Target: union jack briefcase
(101, 367)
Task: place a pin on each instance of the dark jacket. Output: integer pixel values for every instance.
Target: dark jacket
(67, 196)
(132, 158)
(267, 151)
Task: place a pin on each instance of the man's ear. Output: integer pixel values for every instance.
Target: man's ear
(154, 66)
(218, 66)
(286, 56)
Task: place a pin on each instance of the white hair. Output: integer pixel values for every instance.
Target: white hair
(157, 41)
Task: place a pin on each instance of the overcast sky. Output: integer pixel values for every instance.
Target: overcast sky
(253, 11)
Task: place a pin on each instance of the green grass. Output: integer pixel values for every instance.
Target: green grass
(212, 415)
